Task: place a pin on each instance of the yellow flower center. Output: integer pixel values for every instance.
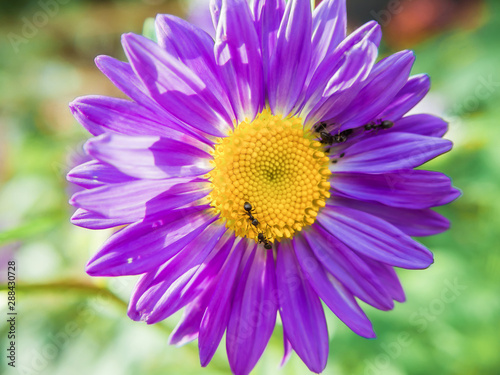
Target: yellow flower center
(276, 166)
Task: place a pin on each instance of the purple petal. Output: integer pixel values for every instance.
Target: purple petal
(329, 24)
(93, 174)
(289, 64)
(239, 59)
(267, 18)
(348, 268)
(215, 9)
(194, 47)
(91, 220)
(150, 157)
(253, 313)
(146, 301)
(301, 310)
(390, 152)
(99, 114)
(176, 87)
(363, 42)
(187, 43)
(428, 125)
(124, 77)
(408, 97)
(182, 279)
(424, 222)
(454, 194)
(216, 316)
(189, 326)
(331, 291)
(388, 277)
(287, 350)
(414, 189)
(370, 31)
(335, 85)
(387, 78)
(143, 246)
(137, 199)
(374, 237)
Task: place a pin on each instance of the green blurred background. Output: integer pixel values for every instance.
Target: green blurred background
(69, 323)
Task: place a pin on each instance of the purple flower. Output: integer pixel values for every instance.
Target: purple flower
(260, 174)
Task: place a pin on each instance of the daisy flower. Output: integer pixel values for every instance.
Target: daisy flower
(260, 173)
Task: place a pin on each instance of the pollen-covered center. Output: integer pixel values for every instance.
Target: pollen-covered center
(275, 166)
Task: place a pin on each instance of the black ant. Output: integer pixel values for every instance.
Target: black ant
(342, 136)
(370, 126)
(328, 139)
(325, 137)
(334, 161)
(320, 126)
(386, 124)
(262, 239)
(248, 208)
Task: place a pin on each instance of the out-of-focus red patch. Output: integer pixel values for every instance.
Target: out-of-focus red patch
(416, 20)
(408, 22)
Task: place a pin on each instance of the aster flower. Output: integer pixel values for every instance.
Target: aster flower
(260, 174)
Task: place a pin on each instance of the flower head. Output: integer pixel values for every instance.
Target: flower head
(259, 174)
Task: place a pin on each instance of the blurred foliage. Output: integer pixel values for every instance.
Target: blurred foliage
(70, 323)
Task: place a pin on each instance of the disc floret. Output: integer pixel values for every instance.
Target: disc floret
(276, 166)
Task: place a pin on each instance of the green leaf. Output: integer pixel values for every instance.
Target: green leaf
(29, 229)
